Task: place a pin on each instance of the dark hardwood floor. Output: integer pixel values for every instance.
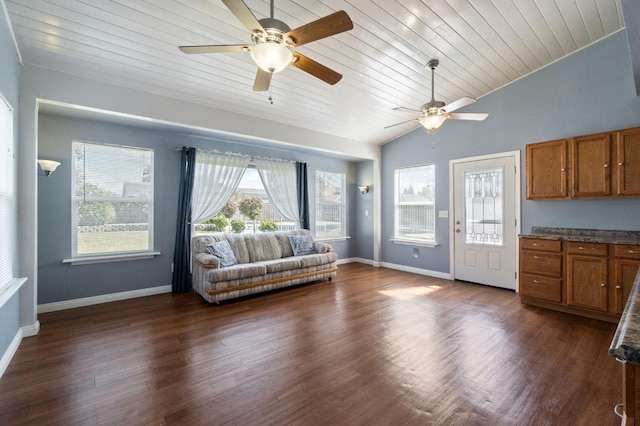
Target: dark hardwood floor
(372, 347)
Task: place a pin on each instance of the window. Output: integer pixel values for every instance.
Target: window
(330, 205)
(8, 200)
(415, 204)
(112, 199)
(231, 219)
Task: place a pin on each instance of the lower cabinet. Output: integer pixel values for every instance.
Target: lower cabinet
(587, 275)
(590, 279)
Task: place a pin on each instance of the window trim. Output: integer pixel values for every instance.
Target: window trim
(102, 257)
(343, 217)
(397, 239)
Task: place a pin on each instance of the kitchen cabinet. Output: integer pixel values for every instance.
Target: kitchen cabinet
(547, 170)
(582, 278)
(627, 163)
(587, 275)
(541, 269)
(626, 262)
(591, 166)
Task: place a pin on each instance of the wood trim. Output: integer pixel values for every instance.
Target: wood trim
(271, 281)
(570, 310)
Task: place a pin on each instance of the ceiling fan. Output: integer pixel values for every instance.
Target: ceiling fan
(273, 40)
(434, 113)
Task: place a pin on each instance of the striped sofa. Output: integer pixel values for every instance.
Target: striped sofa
(266, 261)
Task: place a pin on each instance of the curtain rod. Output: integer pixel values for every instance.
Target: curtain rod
(253, 157)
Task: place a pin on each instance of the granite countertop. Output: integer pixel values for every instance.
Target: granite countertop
(626, 342)
(585, 235)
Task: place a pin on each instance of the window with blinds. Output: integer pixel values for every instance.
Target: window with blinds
(112, 199)
(8, 199)
(414, 194)
(330, 205)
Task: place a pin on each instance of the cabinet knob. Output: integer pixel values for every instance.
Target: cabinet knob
(606, 165)
(603, 285)
(563, 170)
(620, 164)
(619, 287)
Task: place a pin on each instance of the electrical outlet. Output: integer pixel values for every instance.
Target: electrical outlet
(416, 252)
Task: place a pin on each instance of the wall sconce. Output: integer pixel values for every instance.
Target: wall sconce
(48, 166)
(364, 189)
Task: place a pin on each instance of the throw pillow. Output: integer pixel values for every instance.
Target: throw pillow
(222, 250)
(302, 244)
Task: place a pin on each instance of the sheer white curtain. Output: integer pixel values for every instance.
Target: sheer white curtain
(216, 178)
(279, 180)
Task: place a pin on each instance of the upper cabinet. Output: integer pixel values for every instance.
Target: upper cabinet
(627, 163)
(547, 170)
(592, 166)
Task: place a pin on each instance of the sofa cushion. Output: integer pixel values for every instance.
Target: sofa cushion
(236, 272)
(302, 244)
(317, 259)
(280, 265)
(222, 250)
(263, 246)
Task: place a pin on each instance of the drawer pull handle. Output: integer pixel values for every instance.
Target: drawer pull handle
(539, 257)
(632, 251)
(538, 282)
(618, 409)
(586, 248)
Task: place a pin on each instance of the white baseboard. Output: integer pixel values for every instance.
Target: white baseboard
(419, 271)
(31, 330)
(95, 300)
(358, 260)
(10, 352)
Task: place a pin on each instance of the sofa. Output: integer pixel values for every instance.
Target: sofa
(227, 266)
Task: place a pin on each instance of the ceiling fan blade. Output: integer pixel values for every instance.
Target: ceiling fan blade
(475, 116)
(333, 24)
(402, 122)
(406, 109)
(263, 81)
(462, 102)
(219, 48)
(315, 69)
(244, 15)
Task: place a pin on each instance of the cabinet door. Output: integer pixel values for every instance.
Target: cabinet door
(547, 170)
(627, 164)
(625, 271)
(591, 165)
(587, 282)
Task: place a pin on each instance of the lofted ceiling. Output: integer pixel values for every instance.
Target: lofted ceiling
(482, 45)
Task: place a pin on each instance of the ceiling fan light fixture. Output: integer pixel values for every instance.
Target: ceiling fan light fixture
(271, 57)
(432, 121)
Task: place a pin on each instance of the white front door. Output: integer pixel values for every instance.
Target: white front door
(485, 227)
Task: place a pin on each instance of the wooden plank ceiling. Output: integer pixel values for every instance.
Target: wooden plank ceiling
(482, 45)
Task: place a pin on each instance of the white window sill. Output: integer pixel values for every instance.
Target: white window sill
(414, 242)
(111, 258)
(12, 288)
(328, 240)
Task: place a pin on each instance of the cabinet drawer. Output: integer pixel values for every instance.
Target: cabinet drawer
(544, 245)
(540, 263)
(589, 249)
(626, 251)
(541, 287)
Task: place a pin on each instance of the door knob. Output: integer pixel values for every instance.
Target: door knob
(458, 231)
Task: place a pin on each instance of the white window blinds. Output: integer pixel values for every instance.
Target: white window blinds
(113, 199)
(8, 200)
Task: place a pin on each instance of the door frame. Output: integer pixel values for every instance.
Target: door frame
(517, 200)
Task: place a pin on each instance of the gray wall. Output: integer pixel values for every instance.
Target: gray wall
(60, 282)
(590, 91)
(364, 212)
(9, 85)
